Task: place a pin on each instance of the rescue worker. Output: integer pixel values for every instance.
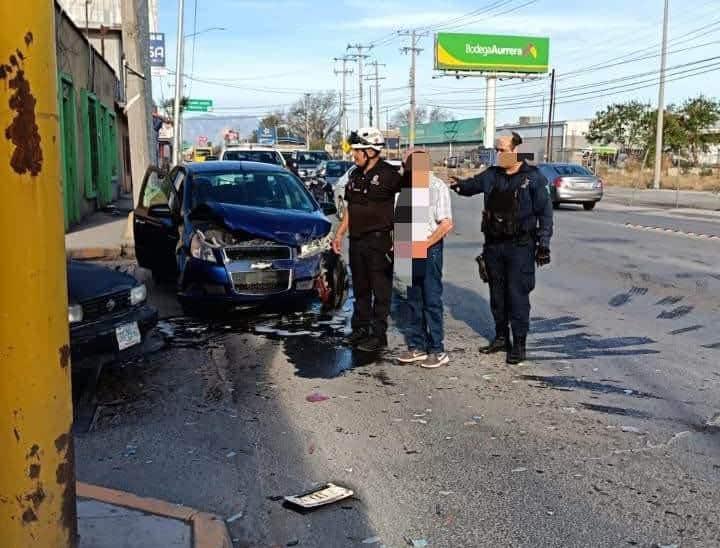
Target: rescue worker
(370, 195)
(517, 223)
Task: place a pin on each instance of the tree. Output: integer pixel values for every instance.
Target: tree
(697, 116)
(623, 124)
(402, 118)
(322, 114)
(169, 106)
(438, 114)
(277, 120)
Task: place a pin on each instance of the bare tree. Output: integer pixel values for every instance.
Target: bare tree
(323, 117)
(402, 118)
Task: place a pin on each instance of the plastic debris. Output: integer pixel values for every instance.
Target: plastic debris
(631, 429)
(327, 494)
(371, 540)
(570, 410)
(416, 543)
(518, 470)
(234, 518)
(316, 397)
(419, 421)
(231, 454)
(470, 423)
(445, 493)
(419, 415)
(488, 377)
(293, 542)
(628, 392)
(477, 418)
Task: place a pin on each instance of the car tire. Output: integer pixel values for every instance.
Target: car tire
(589, 206)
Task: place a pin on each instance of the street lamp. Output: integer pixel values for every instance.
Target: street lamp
(210, 29)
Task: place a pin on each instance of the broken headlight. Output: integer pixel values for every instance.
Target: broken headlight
(75, 313)
(314, 247)
(203, 249)
(138, 294)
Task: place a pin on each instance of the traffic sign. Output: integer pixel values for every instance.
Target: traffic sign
(199, 105)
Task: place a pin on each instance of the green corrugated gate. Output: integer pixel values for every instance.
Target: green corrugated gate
(470, 130)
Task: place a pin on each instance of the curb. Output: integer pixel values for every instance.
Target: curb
(208, 530)
(101, 253)
(675, 231)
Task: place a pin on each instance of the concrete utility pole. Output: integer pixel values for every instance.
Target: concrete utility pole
(376, 79)
(661, 102)
(490, 104)
(343, 98)
(359, 56)
(413, 50)
(551, 115)
(37, 476)
(307, 121)
(138, 89)
(179, 68)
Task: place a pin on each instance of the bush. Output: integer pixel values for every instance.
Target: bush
(706, 172)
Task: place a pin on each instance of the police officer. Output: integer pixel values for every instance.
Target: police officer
(517, 223)
(370, 194)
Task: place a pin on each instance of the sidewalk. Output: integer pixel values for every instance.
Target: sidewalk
(104, 234)
(663, 198)
(114, 519)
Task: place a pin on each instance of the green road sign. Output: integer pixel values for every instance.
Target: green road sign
(199, 105)
(490, 53)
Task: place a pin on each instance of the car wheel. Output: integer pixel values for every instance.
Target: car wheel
(589, 206)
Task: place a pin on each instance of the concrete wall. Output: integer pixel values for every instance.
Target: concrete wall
(89, 71)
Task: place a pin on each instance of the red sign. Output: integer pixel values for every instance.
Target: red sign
(202, 141)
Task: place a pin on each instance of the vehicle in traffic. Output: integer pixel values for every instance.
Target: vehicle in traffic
(332, 170)
(237, 234)
(306, 163)
(200, 154)
(339, 186)
(108, 313)
(249, 153)
(572, 184)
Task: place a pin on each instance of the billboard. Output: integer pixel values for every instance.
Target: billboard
(266, 135)
(491, 53)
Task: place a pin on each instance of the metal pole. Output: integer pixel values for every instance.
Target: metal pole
(548, 144)
(344, 102)
(37, 476)
(661, 103)
(307, 122)
(490, 104)
(411, 129)
(377, 96)
(370, 111)
(179, 67)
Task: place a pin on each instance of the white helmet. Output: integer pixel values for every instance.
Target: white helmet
(367, 137)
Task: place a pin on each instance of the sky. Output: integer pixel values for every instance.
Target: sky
(273, 51)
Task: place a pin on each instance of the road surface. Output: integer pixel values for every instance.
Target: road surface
(609, 436)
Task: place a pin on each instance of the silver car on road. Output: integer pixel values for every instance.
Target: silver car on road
(572, 184)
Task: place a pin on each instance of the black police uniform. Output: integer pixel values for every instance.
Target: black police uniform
(371, 202)
(518, 219)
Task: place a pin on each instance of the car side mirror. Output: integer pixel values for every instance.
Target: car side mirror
(161, 211)
(329, 208)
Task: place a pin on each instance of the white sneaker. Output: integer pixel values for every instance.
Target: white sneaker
(436, 360)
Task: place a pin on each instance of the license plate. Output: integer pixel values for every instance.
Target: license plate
(128, 335)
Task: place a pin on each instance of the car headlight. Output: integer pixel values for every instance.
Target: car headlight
(314, 247)
(75, 313)
(201, 249)
(138, 294)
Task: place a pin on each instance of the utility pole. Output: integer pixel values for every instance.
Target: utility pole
(359, 56)
(413, 50)
(376, 79)
(307, 121)
(343, 99)
(37, 476)
(179, 68)
(551, 114)
(661, 103)
(138, 93)
(370, 109)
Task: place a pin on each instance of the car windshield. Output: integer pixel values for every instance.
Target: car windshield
(276, 190)
(336, 169)
(262, 156)
(312, 157)
(572, 170)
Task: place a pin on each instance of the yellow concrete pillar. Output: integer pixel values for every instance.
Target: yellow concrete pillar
(37, 475)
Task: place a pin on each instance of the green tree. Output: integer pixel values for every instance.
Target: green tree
(697, 117)
(169, 106)
(622, 124)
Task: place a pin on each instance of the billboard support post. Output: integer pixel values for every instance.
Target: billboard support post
(490, 102)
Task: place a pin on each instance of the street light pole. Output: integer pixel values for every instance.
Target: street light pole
(307, 121)
(413, 50)
(661, 103)
(177, 115)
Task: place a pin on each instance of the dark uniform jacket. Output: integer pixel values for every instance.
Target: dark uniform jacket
(535, 210)
(371, 199)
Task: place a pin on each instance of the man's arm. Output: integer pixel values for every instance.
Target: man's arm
(341, 231)
(543, 209)
(442, 230)
(442, 211)
(477, 184)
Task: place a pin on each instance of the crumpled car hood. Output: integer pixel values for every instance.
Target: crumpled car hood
(288, 227)
(87, 281)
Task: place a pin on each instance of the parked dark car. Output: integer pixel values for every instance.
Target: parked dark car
(572, 184)
(108, 312)
(307, 162)
(237, 234)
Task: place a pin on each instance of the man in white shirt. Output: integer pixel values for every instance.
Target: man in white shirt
(426, 332)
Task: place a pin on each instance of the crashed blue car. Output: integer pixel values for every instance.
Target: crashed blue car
(237, 234)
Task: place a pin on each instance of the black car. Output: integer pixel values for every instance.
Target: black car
(107, 312)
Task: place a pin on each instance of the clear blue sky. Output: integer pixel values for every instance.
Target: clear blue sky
(274, 50)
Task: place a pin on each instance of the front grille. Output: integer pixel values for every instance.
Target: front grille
(261, 283)
(258, 253)
(101, 306)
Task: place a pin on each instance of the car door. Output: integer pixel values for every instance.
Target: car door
(155, 225)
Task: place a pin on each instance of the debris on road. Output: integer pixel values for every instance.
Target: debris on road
(518, 470)
(631, 430)
(419, 421)
(419, 543)
(445, 493)
(327, 494)
(231, 454)
(470, 423)
(371, 540)
(570, 410)
(293, 542)
(234, 518)
(316, 397)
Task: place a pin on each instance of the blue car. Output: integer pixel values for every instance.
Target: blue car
(237, 234)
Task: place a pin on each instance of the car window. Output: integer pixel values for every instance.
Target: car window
(157, 191)
(548, 171)
(262, 156)
(254, 189)
(573, 170)
(175, 200)
(336, 169)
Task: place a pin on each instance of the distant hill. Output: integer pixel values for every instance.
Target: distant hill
(213, 126)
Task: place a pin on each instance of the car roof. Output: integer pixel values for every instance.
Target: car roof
(243, 165)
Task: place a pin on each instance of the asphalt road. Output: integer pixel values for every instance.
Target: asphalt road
(605, 438)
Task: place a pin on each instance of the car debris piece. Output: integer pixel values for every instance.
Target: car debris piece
(234, 518)
(316, 397)
(371, 540)
(631, 429)
(327, 494)
(416, 543)
(518, 470)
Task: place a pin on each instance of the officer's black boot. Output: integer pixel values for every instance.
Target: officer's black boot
(500, 344)
(374, 343)
(358, 336)
(516, 356)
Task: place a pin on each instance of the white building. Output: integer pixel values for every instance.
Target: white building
(569, 137)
